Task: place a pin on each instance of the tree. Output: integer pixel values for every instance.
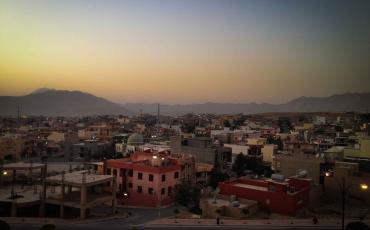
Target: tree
(216, 177)
(9, 157)
(187, 195)
(227, 123)
(240, 164)
(4, 225)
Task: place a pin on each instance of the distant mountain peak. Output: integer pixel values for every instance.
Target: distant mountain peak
(52, 102)
(42, 90)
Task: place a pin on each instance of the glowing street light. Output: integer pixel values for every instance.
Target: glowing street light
(364, 186)
(344, 188)
(5, 173)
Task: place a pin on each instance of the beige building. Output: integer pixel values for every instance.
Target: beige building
(361, 150)
(299, 163)
(11, 146)
(268, 152)
(56, 137)
(349, 172)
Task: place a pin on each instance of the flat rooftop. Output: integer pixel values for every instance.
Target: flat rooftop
(259, 188)
(23, 166)
(76, 179)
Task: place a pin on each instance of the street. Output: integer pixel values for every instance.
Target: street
(142, 218)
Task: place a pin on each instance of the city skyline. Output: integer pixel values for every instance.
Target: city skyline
(181, 52)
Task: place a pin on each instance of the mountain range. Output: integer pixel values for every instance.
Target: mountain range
(51, 102)
(348, 102)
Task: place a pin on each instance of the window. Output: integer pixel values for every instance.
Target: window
(163, 177)
(130, 173)
(115, 172)
(108, 171)
(130, 185)
(122, 172)
(150, 190)
(176, 175)
(163, 191)
(139, 189)
(140, 176)
(151, 177)
(169, 190)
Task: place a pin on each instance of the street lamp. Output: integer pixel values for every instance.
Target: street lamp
(364, 186)
(5, 173)
(344, 189)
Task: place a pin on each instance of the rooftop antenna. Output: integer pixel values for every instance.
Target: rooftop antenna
(18, 116)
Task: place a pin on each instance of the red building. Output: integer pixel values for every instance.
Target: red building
(284, 197)
(145, 178)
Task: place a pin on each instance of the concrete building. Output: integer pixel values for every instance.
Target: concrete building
(89, 148)
(90, 192)
(203, 149)
(11, 147)
(360, 150)
(145, 179)
(101, 132)
(310, 165)
(282, 196)
(68, 195)
(268, 152)
(349, 172)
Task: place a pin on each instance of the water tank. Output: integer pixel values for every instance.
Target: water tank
(279, 177)
(235, 203)
(302, 173)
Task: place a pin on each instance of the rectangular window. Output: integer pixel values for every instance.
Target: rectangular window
(130, 173)
(151, 177)
(140, 176)
(163, 177)
(176, 175)
(139, 189)
(150, 190)
(169, 190)
(163, 191)
(115, 172)
(122, 172)
(108, 171)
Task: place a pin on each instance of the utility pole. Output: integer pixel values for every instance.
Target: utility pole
(18, 116)
(158, 121)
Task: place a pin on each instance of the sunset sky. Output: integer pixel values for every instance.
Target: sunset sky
(186, 51)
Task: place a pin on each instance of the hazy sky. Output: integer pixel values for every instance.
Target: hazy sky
(186, 51)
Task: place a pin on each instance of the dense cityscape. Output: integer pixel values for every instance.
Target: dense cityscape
(268, 166)
(184, 114)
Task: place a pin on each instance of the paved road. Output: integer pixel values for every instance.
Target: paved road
(139, 217)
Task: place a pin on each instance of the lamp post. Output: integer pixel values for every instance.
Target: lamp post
(344, 190)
